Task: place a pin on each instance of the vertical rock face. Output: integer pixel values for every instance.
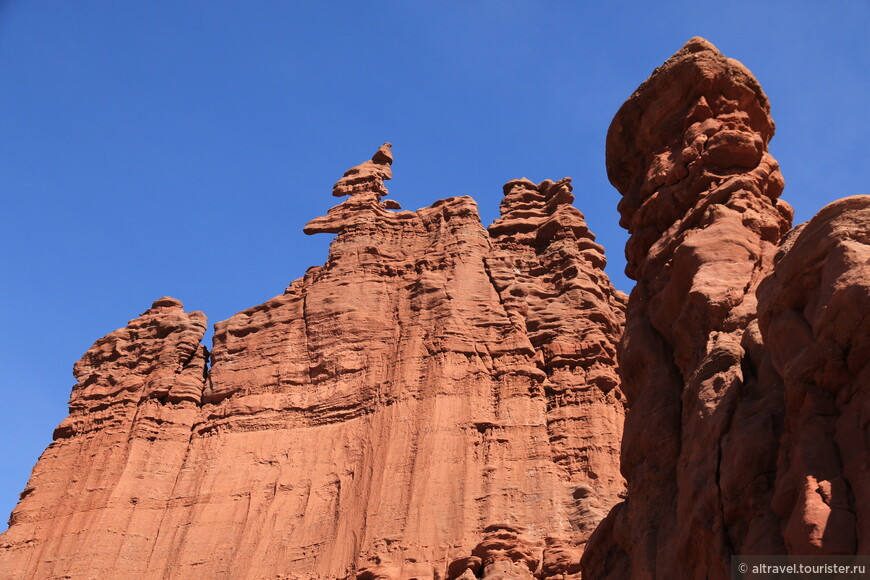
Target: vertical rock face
(435, 401)
(98, 495)
(813, 314)
(688, 152)
(439, 401)
(548, 271)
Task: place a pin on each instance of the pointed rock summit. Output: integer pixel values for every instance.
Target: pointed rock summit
(367, 177)
(365, 186)
(741, 436)
(432, 401)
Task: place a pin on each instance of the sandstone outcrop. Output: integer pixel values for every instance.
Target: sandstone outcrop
(97, 496)
(434, 401)
(736, 434)
(813, 313)
(688, 152)
(442, 401)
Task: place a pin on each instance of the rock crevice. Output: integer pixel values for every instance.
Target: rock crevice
(447, 402)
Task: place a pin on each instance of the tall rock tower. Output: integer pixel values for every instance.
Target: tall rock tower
(436, 401)
(747, 425)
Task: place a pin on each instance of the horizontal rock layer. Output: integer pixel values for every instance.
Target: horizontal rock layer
(434, 399)
(440, 401)
(97, 497)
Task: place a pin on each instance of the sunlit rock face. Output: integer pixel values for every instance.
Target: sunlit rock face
(434, 401)
(96, 499)
(736, 434)
(444, 401)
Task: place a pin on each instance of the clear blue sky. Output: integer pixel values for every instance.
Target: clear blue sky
(177, 148)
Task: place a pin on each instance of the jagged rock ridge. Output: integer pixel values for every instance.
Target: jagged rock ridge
(97, 496)
(433, 402)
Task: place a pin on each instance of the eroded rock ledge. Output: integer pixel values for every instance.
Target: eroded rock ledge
(439, 401)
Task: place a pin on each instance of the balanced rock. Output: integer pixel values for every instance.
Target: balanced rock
(441, 401)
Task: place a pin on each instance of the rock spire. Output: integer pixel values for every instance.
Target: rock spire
(444, 401)
(735, 436)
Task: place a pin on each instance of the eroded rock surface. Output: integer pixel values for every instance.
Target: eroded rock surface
(433, 398)
(439, 401)
(688, 152)
(98, 495)
(815, 318)
(746, 381)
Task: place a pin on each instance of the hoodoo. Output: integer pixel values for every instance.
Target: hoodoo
(739, 433)
(445, 402)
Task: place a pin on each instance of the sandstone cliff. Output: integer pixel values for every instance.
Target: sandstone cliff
(813, 313)
(97, 497)
(738, 437)
(436, 401)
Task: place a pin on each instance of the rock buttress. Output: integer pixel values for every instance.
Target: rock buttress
(390, 406)
(96, 498)
(814, 313)
(548, 272)
(688, 152)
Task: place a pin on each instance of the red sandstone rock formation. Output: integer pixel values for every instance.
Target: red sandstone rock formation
(433, 402)
(441, 402)
(815, 318)
(96, 499)
(688, 151)
(737, 438)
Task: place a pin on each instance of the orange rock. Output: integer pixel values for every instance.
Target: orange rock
(98, 495)
(439, 401)
(744, 378)
(434, 400)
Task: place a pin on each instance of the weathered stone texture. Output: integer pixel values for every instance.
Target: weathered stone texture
(735, 435)
(815, 318)
(439, 401)
(435, 398)
(98, 495)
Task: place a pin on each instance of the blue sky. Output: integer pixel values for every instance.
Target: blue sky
(177, 148)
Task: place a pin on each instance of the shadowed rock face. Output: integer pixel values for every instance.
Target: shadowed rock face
(688, 152)
(813, 313)
(434, 399)
(738, 434)
(439, 401)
